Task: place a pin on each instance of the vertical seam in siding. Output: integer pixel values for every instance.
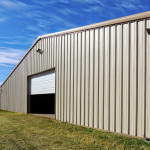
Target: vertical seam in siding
(67, 77)
(98, 74)
(58, 73)
(50, 51)
(80, 74)
(145, 114)
(84, 72)
(54, 46)
(122, 82)
(89, 80)
(77, 80)
(55, 74)
(109, 42)
(73, 76)
(70, 83)
(136, 78)
(103, 72)
(64, 100)
(93, 72)
(129, 77)
(115, 74)
(60, 76)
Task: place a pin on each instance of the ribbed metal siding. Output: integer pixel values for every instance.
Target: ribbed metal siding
(102, 77)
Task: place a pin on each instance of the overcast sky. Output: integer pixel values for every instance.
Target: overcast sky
(22, 21)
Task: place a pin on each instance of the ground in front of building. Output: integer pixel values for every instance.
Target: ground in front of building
(25, 131)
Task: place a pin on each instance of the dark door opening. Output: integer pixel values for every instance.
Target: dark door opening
(42, 104)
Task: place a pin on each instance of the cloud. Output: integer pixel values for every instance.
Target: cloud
(11, 37)
(34, 29)
(67, 11)
(126, 5)
(2, 70)
(52, 20)
(93, 9)
(34, 14)
(90, 1)
(15, 42)
(44, 3)
(130, 5)
(2, 19)
(6, 65)
(2, 10)
(44, 21)
(10, 57)
(50, 2)
(18, 40)
(13, 4)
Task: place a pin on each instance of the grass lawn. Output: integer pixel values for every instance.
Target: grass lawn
(27, 132)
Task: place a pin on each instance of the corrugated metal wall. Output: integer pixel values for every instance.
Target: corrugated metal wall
(102, 77)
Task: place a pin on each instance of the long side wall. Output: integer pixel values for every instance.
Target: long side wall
(102, 77)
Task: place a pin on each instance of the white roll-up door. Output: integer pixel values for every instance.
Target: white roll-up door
(43, 83)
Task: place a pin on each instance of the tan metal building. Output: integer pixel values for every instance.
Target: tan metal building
(96, 76)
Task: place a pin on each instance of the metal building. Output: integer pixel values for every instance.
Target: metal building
(96, 76)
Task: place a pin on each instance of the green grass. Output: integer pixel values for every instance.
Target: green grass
(27, 132)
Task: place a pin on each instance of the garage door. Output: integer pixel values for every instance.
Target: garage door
(43, 83)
